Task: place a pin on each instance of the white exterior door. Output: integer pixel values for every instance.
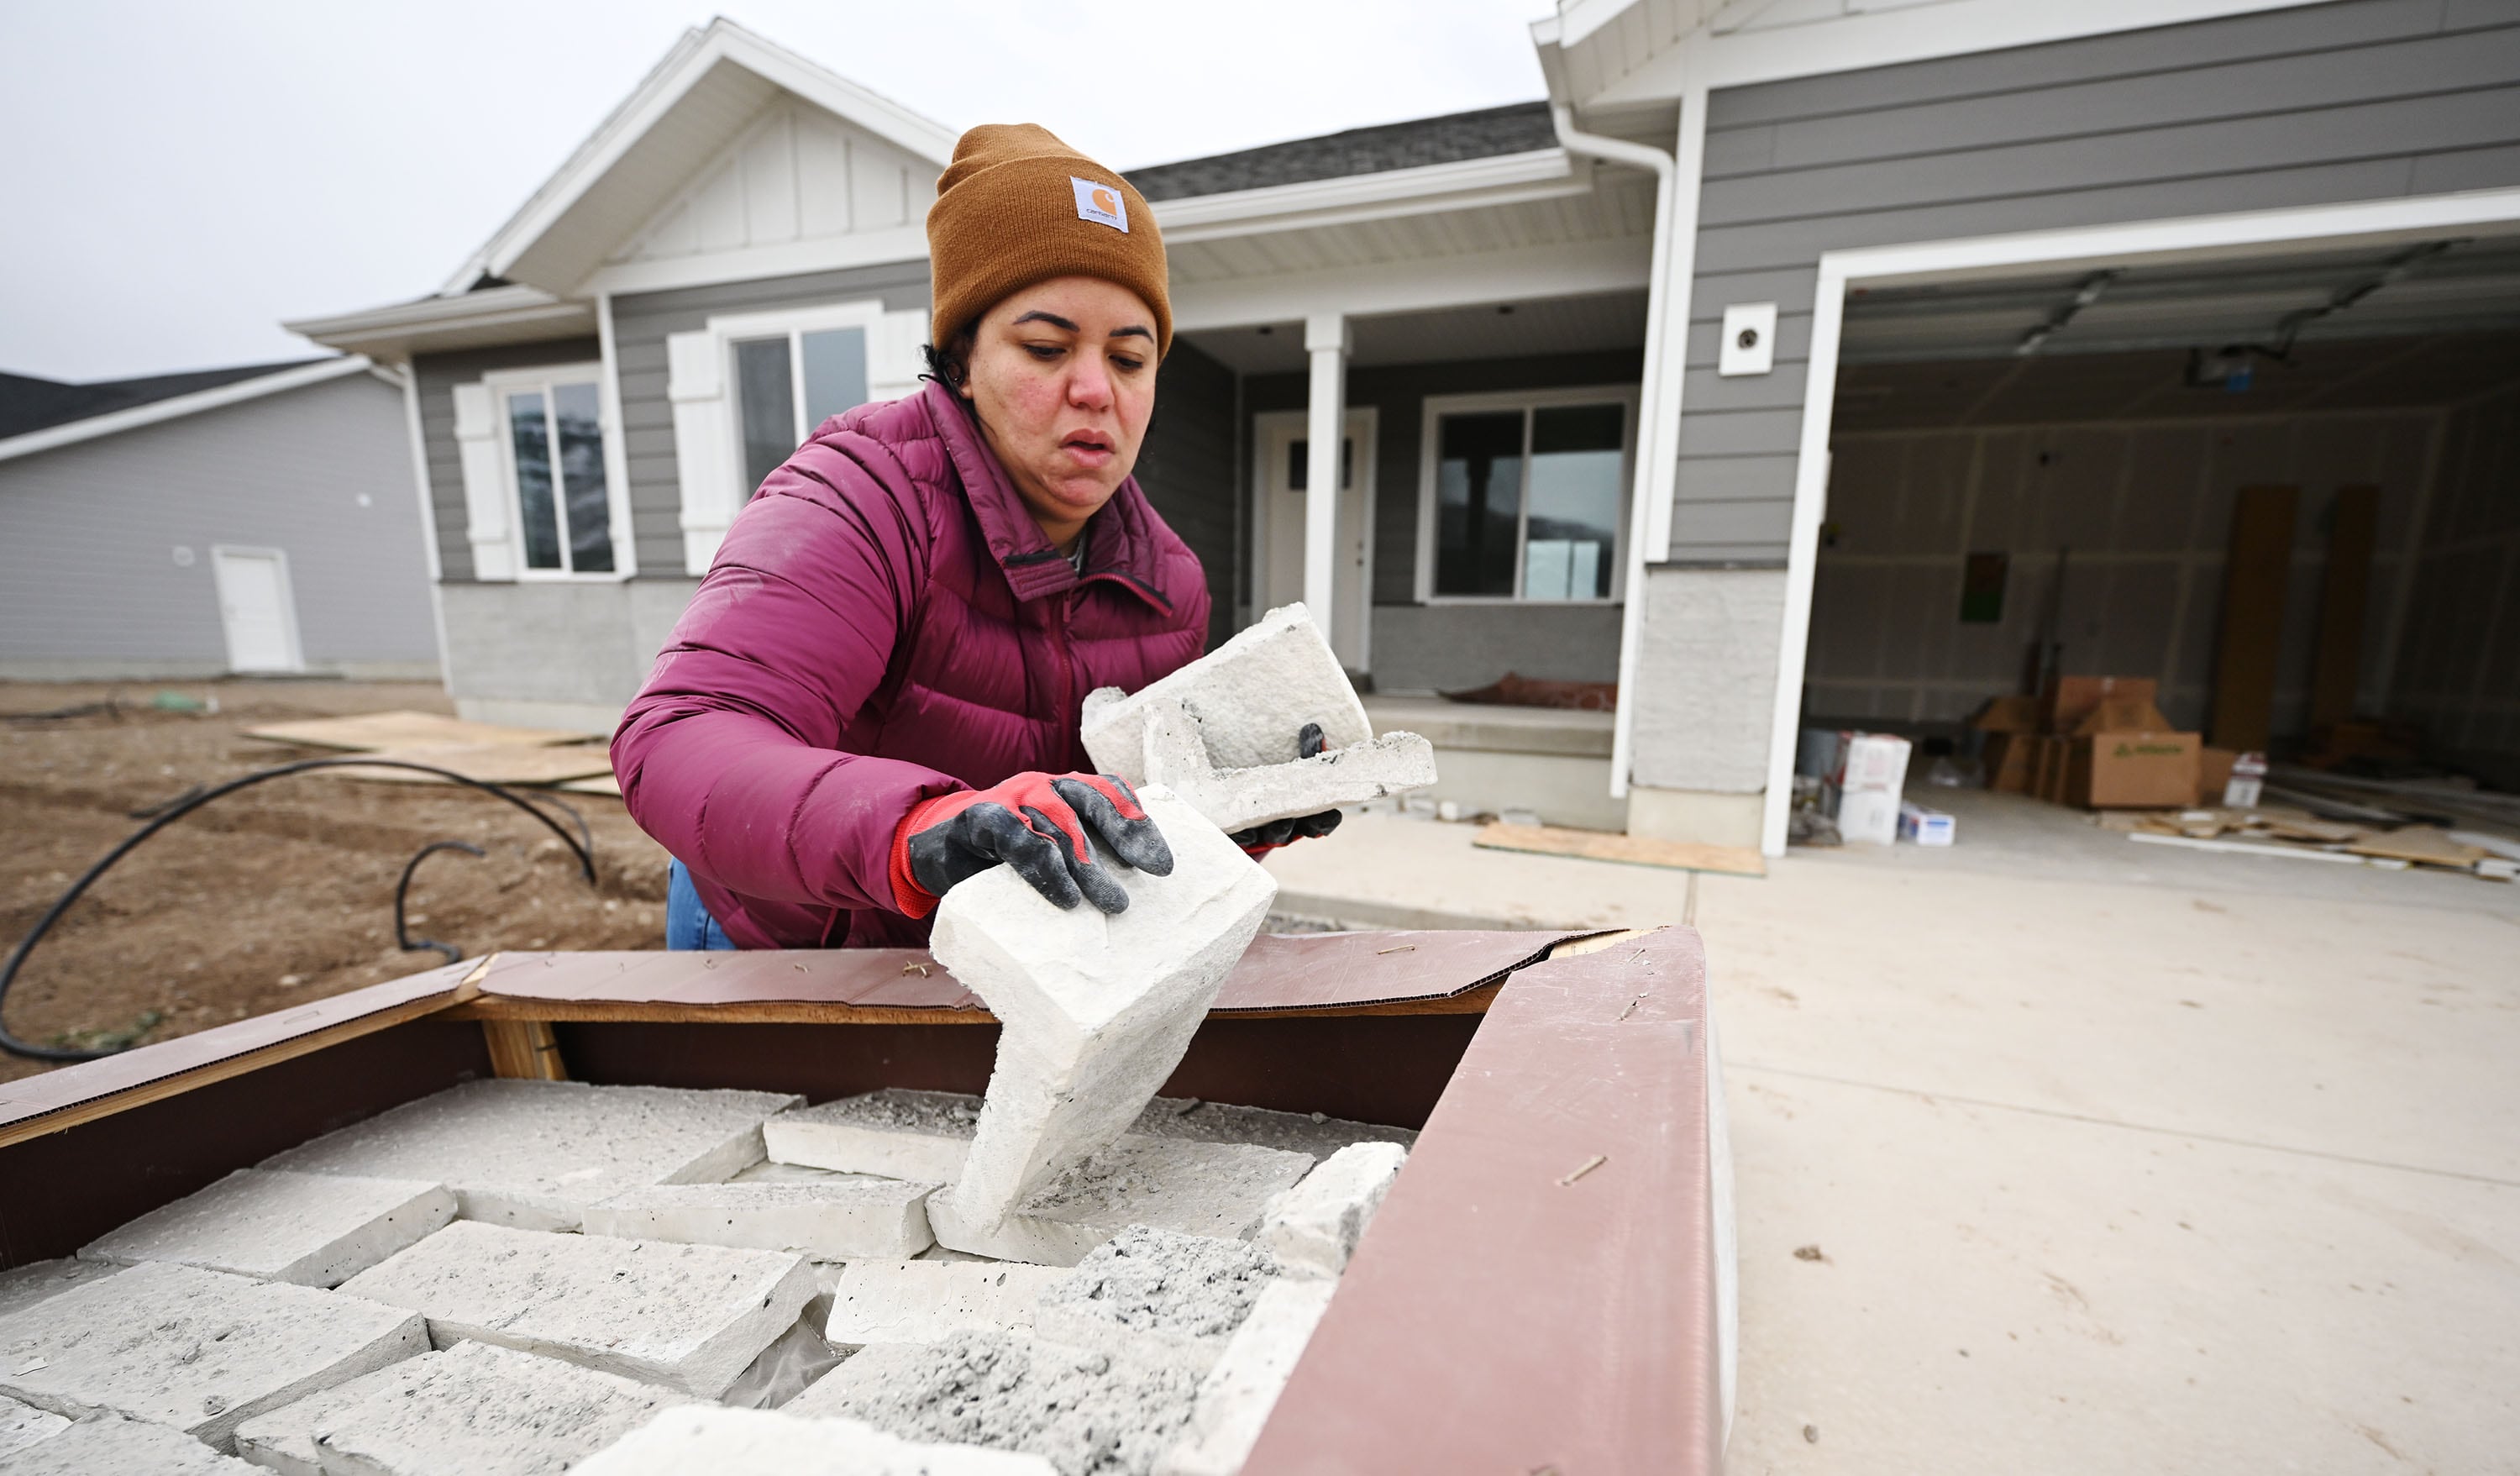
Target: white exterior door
(1282, 445)
(256, 609)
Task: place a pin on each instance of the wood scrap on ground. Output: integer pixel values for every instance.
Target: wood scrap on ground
(1633, 850)
(377, 731)
(490, 763)
(2285, 832)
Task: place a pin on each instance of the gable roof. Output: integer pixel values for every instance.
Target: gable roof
(42, 415)
(1484, 133)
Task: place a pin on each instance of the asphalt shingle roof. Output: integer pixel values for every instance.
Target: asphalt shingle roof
(1484, 134)
(28, 403)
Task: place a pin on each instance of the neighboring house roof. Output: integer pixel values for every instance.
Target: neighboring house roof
(1517, 128)
(28, 403)
(145, 402)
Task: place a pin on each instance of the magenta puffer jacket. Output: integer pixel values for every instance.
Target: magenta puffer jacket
(883, 623)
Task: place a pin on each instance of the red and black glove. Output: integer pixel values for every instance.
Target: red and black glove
(1261, 840)
(1036, 824)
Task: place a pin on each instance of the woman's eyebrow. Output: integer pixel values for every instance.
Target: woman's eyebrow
(1133, 331)
(1052, 318)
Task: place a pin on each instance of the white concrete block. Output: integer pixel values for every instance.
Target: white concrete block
(927, 1301)
(920, 1136)
(1096, 1009)
(1235, 1398)
(30, 1284)
(313, 1230)
(836, 1220)
(108, 1444)
(476, 1408)
(771, 1171)
(1309, 1132)
(200, 1351)
(690, 1317)
(1313, 1228)
(22, 1425)
(759, 1443)
(535, 1154)
(1200, 1188)
(1083, 1410)
(1159, 1294)
(1222, 732)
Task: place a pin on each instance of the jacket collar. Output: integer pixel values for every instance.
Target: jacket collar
(1119, 541)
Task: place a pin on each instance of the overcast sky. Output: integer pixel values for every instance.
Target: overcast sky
(182, 176)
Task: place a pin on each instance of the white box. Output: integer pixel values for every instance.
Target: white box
(1925, 828)
(1868, 817)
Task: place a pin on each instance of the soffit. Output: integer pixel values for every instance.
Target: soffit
(1618, 207)
(1521, 330)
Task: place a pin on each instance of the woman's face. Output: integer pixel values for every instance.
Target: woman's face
(1063, 377)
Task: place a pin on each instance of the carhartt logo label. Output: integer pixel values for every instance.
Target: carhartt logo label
(1100, 204)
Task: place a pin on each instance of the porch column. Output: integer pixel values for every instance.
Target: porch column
(1325, 345)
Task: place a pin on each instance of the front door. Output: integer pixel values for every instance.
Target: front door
(1285, 445)
(254, 609)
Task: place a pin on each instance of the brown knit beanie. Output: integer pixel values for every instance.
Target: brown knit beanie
(1018, 206)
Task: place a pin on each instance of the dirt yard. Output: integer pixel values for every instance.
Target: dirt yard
(277, 894)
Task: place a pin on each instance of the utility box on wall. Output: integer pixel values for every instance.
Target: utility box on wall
(1749, 344)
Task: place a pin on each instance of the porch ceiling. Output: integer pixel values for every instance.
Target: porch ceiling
(1482, 331)
(1618, 207)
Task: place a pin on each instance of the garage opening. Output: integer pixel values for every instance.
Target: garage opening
(2285, 490)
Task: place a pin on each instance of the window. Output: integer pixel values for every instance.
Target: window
(786, 383)
(1523, 496)
(553, 427)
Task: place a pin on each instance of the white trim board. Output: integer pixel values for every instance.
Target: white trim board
(2140, 243)
(176, 407)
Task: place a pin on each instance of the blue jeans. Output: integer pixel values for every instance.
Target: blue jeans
(688, 928)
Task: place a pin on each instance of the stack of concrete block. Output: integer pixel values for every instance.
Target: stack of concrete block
(1313, 1228)
(1096, 1008)
(1158, 1293)
(313, 1230)
(537, 1154)
(109, 1445)
(1313, 1133)
(751, 1442)
(476, 1408)
(198, 1350)
(22, 1425)
(1112, 1413)
(835, 1220)
(688, 1317)
(1222, 732)
(930, 1301)
(1234, 1401)
(896, 1133)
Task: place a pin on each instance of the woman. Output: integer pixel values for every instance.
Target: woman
(874, 693)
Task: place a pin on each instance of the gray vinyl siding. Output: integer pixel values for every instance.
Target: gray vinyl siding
(2364, 100)
(89, 580)
(437, 376)
(1187, 469)
(640, 325)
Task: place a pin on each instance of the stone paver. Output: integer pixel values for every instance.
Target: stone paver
(834, 1220)
(1158, 1293)
(22, 1425)
(926, 1301)
(1235, 1398)
(314, 1229)
(896, 1133)
(1313, 1228)
(759, 1443)
(1200, 1189)
(108, 1444)
(27, 1284)
(1317, 1134)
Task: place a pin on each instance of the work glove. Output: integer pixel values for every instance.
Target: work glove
(1261, 840)
(1036, 824)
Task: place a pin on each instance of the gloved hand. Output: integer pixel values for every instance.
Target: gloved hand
(1260, 840)
(1035, 822)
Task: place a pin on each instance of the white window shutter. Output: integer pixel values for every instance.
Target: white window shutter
(703, 443)
(894, 358)
(489, 519)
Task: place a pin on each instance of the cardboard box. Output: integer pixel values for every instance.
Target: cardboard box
(1872, 768)
(2131, 769)
(2212, 771)
(2010, 760)
(2007, 715)
(1868, 817)
(2123, 714)
(2070, 699)
(1920, 825)
(2048, 766)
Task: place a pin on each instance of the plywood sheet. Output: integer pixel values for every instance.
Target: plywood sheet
(2254, 577)
(602, 784)
(2421, 844)
(376, 732)
(1632, 850)
(490, 763)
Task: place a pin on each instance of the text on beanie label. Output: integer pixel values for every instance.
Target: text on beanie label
(1100, 204)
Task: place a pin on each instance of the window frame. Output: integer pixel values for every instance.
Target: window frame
(794, 323)
(547, 379)
(1430, 413)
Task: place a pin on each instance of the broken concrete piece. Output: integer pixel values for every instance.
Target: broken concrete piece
(1200, 1189)
(927, 1301)
(1294, 1131)
(476, 1408)
(1157, 1292)
(108, 1444)
(771, 1171)
(756, 1442)
(1096, 1009)
(920, 1136)
(1313, 1228)
(28, 1284)
(22, 1425)
(1222, 732)
(840, 1219)
(1234, 1399)
(688, 1317)
(535, 1154)
(313, 1230)
(199, 1351)
(1085, 1410)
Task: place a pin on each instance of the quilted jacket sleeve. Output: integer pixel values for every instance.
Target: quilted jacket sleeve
(729, 756)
